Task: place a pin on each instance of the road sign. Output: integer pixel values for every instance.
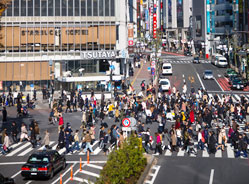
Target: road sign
(149, 69)
(126, 122)
(112, 67)
(130, 42)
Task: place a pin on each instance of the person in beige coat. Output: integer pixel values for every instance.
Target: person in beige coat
(173, 138)
(6, 143)
(46, 140)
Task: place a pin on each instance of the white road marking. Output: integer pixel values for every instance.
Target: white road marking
(218, 84)
(205, 153)
(28, 182)
(218, 153)
(18, 149)
(25, 152)
(200, 81)
(211, 178)
(97, 150)
(230, 152)
(43, 147)
(89, 173)
(95, 166)
(168, 153)
(154, 175)
(68, 170)
(15, 145)
(62, 150)
(237, 97)
(180, 153)
(16, 174)
(68, 162)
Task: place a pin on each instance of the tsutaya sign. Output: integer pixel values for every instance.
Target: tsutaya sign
(98, 54)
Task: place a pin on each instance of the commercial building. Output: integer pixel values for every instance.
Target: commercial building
(66, 43)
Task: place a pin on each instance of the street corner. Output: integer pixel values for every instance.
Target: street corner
(224, 84)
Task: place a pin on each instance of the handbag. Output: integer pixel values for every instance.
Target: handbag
(4, 147)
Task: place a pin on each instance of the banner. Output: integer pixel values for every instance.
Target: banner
(154, 25)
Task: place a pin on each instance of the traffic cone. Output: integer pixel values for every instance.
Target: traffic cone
(60, 178)
(88, 157)
(80, 164)
(71, 173)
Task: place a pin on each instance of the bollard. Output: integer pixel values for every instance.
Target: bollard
(88, 157)
(80, 164)
(71, 173)
(60, 178)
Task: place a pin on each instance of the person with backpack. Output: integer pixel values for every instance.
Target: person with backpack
(76, 141)
(242, 147)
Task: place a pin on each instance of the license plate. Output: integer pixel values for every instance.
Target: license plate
(33, 169)
(33, 173)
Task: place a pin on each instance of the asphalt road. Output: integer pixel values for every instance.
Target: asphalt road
(185, 170)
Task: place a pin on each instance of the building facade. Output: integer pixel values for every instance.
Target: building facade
(67, 43)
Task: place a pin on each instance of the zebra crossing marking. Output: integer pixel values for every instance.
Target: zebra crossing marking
(230, 152)
(218, 153)
(168, 153)
(43, 147)
(18, 149)
(25, 152)
(183, 61)
(205, 153)
(180, 153)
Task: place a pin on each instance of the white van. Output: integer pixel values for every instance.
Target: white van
(167, 69)
(219, 60)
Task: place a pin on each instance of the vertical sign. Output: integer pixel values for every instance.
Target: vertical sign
(154, 25)
(208, 16)
(130, 34)
(1, 85)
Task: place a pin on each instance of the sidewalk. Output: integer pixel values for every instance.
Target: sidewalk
(141, 74)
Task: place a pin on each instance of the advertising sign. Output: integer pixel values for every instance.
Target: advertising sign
(208, 16)
(154, 25)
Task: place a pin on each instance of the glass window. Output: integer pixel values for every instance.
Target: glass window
(50, 8)
(16, 8)
(83, 7)
(37, 7)
(95, 7)
(107, 7)
(76, 7)
(112, 7)
(64, 7)
(89, 7)
(9, 10)
(101, 8)
(43, 7)
(70, 8)
(57, 7)
(23, 7)
(30, 8)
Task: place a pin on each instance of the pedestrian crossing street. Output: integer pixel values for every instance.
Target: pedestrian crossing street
(183, 61)
(25, 149)
(227, 153)
(236, 98)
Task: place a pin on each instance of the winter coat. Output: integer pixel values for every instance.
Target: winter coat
(173, 136)
(46, 139)
(166, 139)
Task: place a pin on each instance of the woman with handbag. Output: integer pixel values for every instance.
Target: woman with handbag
(6, 143)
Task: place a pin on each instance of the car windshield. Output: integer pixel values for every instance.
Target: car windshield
(237, 81)
(196, 58)
(223, 61)
(166, 67)
(208, 72)
(164, 83)
(38, 159)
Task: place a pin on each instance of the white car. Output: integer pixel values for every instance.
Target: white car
(167, 69)
(164, 84)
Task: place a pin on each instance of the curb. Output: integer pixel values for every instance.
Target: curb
(150, 162)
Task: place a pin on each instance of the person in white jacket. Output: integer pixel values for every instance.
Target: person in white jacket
(6, 143)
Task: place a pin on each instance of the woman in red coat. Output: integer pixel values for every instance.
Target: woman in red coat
(61, 122)
(192, 116)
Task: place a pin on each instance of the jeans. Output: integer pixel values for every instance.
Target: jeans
(200, 145)
(239, 152)
(179, 142)
(76, 146)
(1, 149)
(88, 145)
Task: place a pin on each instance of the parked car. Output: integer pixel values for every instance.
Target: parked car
(164, 84)
(208, 74)
(237, 84)
(196, 59)
(219, 60)
(43, 164)
(6, 180)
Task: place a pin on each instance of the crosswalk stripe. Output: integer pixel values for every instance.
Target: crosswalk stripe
(247, 96)
(50, 143)
(54, 147)
(25, 152)
(180, 153)
(230, 152)
(210, 96)
(15, 145)
(82, 153)
(237, 97)
(168, 153)
(195, 145)
(205, 153)
(97, 151)
(18, 149)
(61, 151)
(218, 153)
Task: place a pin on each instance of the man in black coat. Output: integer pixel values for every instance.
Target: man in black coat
(4, 113)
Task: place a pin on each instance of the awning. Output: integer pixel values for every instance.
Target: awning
(90, 78)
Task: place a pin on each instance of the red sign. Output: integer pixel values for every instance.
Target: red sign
(130, 43)
(126, 122)
(154, 25)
